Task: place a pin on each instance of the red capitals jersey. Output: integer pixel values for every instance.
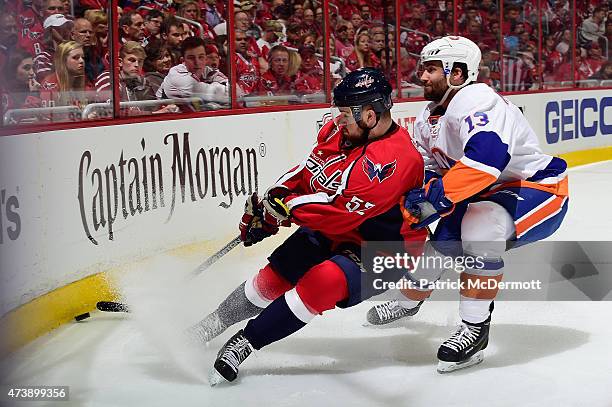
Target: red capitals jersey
(30, 31)
(273, 85)
(337, 189)
(247, 72)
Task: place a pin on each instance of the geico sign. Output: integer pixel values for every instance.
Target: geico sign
(574, 118)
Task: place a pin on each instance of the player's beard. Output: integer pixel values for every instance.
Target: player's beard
(434, 91)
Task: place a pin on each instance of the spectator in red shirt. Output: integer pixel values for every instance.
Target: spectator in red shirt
(247, 66)
(344, 39)
(309, 78)
(67, 85)
(361, 56)
(276, 81)
(594, 57)
(273, 31)
(57, 30)
(357, 21)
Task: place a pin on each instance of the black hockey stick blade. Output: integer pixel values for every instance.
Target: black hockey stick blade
(111, 306)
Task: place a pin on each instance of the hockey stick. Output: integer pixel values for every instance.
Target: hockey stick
(111, 306)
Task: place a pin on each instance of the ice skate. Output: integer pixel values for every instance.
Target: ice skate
(465, 347)
(390, 311)
(230, 356)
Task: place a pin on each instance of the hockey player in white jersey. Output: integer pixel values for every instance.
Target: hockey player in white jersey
(487, 182)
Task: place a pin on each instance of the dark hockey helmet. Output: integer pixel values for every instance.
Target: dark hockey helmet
(365, 86)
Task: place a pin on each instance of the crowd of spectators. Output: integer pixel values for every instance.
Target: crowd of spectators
(56, 52)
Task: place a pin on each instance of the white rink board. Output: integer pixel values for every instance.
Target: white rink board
(50, 185)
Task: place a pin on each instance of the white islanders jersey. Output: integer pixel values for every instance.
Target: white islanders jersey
(483, 139)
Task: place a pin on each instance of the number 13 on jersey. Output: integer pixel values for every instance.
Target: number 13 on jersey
(477, 119)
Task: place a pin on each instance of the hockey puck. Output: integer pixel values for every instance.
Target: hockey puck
(82, 317)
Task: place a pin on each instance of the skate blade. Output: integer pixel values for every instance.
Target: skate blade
(447, 367)
(214, 378)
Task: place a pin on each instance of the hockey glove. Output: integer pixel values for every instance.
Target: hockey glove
(423, 206)
(253, 228)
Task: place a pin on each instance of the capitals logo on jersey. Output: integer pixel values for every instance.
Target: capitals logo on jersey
(325, 175)
(379, 171)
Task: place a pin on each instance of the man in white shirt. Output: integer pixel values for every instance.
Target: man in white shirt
(193, 78)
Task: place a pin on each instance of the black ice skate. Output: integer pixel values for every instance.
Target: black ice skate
(390, 311)
(230, 356)
(465, 347)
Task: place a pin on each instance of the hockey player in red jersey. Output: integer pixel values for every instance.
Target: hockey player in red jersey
(346, 187)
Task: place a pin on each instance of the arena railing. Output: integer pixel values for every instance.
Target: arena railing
(205, 104)
(11, 116)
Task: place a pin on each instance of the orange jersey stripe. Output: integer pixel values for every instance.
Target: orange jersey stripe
(462, 182)
(525, 224)
(561, 188)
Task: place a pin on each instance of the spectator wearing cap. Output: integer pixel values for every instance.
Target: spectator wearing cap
(172, 34)
(57, 30)
(309, 78)
(152, 24)
(276, 80)
(131, 28)
(252, 29)
(247, 65)
(213, 59)
(344, 39)
(212, 15)
(193, 77)
(273, 32)
(157, 63)
(8, 36)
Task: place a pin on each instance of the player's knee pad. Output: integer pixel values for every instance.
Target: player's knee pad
(322, 287)
(485, 228)
(265, 286)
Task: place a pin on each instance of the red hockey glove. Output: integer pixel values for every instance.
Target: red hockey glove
(253, 227)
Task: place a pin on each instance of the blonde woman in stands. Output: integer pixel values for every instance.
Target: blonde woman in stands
(67, 85)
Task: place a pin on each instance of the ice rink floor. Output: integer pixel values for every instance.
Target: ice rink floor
(540, 353)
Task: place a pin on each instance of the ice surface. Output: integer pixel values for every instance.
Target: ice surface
(540, 354)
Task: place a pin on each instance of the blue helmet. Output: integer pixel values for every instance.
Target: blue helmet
(365, 86)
